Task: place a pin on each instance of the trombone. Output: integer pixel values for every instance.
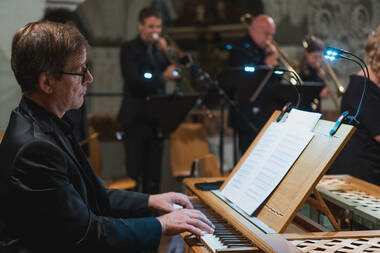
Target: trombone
(284, 59)
(339, 89)
(335, 95)
(173, 61)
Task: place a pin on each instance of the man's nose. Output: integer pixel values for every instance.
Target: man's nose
(89, 79)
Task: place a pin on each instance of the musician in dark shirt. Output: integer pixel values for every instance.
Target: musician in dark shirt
(145, 70)
(310, 70)
(253, 50)
(361, 156)
(51, 199)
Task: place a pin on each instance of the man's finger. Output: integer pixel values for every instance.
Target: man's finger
(184, 201)
(192, 229)
(196, 214)
(201, 225)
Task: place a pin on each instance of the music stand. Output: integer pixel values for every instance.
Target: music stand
(168, 111)
(309, 93)
(253, 88)
(236, 81)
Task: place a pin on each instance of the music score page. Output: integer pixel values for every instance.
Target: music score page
(267, 164)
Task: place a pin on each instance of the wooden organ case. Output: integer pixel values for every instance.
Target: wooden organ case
(270, 228)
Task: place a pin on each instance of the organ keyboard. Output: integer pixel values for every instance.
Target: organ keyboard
(234, 233)
(225, 237)
(265, 230)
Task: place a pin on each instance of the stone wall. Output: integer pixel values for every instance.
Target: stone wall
(340, 23)
(13, 15)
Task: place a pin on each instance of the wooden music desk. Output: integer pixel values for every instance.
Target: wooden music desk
(266, 230)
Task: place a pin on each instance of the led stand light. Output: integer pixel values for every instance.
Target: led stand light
(249, 69)
(148, 75)
(332, 54)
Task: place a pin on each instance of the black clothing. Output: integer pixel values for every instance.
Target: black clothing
(52, 199)
(143, 139)
(311, 76)
(309, 92)
(79, 119)
(361, 156)
(246, 52)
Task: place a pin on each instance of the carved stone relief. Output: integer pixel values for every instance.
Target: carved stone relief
(344, 24)
(340, 23)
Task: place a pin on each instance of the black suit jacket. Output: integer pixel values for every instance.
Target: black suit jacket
(243, 85)
(136, 60)
(51, 198)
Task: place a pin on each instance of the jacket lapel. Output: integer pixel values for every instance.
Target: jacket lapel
(67, 148)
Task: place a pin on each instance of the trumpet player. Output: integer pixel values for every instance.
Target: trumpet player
(145, 70)
(253, 49)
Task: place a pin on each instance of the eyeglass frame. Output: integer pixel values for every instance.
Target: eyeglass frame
(83, 75)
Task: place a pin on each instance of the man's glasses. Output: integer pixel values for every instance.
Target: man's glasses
(83, 75)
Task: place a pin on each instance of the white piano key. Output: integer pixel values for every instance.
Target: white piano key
(212, 242)
(178, 207)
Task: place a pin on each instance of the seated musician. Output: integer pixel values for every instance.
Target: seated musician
(310, 71)
(50, 197)
(361, 156)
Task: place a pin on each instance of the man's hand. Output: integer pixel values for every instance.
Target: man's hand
(169, 73)
(271, 60)
(162, 44)
(325, 93)
(164, 202)
(189, 220)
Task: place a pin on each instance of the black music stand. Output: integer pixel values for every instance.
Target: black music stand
(309, 92)
(240, 83)
(167, 112)
(253, 88)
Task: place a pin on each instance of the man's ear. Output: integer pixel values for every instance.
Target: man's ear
(140, 26)
(44, 83)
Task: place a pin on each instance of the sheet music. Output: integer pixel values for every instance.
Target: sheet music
(266, 165)
(303, 119)
(251, 166)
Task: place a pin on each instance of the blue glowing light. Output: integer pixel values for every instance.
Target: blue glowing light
(331, 55)
(228, 47)
(246, 45)
(249, 69)
(330, 58)
(148, 75)
(175, 73)
(278, 72)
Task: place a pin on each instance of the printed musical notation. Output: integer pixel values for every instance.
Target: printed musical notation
(269, 161)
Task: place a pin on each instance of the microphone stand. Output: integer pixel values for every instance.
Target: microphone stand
(204, 76)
